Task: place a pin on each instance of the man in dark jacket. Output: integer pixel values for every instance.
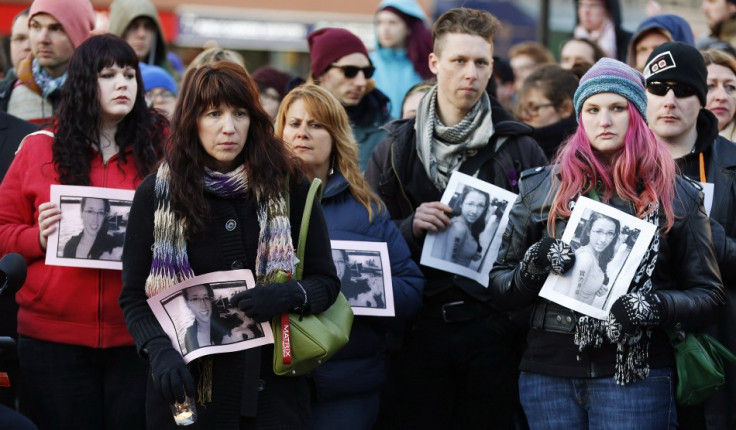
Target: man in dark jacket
(458, 367)
(340, 64)
(676, 93)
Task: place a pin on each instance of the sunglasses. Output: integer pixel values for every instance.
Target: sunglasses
(661, 89)
(352, 71)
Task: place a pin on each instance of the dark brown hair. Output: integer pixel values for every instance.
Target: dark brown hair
(267, 161)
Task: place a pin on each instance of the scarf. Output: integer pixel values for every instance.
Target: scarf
(632, 351)
(170, 263)
(605, 37)
(443, 149)
(47, 83)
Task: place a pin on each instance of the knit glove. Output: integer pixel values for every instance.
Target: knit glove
(170, 374)
(547, 255)
(268, 300)
(632, 311)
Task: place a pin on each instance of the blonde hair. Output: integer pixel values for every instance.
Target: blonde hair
(325, 108)
(215, 54)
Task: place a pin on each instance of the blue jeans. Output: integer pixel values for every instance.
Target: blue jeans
(80, 388)
(566, 403)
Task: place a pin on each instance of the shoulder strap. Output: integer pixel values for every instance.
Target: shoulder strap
(311, 196)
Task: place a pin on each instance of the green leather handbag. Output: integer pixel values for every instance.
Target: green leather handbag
(699, 364)
(303, 342)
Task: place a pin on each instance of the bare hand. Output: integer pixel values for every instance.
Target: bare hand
(430, 216)
(48, 219)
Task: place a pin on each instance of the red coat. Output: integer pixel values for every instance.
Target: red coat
(70, 305)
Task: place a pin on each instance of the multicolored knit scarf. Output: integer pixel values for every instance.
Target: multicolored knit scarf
(170, 264)
(632, 351)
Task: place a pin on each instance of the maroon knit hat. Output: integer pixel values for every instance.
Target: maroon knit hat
(328, 45)
(268, 77)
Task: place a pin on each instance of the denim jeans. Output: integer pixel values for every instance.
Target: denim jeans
(80, 388)
(566, 403)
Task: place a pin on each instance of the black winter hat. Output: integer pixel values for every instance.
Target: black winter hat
(681, 63)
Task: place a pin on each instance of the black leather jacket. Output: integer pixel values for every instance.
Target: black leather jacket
(686, 277)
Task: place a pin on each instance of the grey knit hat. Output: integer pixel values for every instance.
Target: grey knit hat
(612, 76)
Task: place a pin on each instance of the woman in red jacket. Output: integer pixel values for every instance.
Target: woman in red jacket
(74, 348)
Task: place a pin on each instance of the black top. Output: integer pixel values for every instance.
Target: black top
(243, 382)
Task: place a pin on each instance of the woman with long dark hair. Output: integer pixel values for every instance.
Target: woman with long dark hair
(461, 239)
(217, 203)
(94, 241)
(74, 347)
(590, 273)
(617, 372)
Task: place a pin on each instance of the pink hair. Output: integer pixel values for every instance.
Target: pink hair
(642, 172)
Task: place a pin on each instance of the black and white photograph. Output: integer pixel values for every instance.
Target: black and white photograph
(365, 276)
(608, 245)
(469, 245)
(200, 319)
(92, 227)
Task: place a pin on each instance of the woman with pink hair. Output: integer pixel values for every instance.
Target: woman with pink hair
(619, 370)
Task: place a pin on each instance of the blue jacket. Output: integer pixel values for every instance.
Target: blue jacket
(394, 75)
(366, 120)
(359, 366)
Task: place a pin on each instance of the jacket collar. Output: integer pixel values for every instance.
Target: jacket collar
(336, 184)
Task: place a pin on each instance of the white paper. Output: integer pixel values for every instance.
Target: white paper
(69, 235)
(584, 290)
(708, 190)
(366, 277)
(177, 318)
(454, 258)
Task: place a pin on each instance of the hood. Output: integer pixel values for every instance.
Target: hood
(409, 7)
(124, 12)
(672, 26)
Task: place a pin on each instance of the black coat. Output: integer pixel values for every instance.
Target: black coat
(243, 382)
(12, 132)
(719, 156)
(399, 178)
(686, 277)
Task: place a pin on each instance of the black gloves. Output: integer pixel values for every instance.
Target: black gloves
(631, 311)
(170, 374)
(547, 255)
(265, 301)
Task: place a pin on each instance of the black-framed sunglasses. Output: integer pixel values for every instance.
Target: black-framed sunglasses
(680, 90)
(352, 71)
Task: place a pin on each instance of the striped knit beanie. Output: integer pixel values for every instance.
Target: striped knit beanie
(612, 76)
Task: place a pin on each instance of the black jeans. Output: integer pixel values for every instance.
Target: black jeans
(460, 375)
(80, 388)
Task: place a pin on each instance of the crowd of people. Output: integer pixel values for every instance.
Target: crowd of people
(220, 158)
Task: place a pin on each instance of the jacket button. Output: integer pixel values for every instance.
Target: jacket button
(568, 319)
(261, 385)
(559, 318)
(237, 264)
(230, 225)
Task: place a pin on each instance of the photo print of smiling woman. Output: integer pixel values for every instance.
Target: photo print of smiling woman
(607, 252)
(469, 244)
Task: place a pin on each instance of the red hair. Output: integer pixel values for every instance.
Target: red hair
(642, 172)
